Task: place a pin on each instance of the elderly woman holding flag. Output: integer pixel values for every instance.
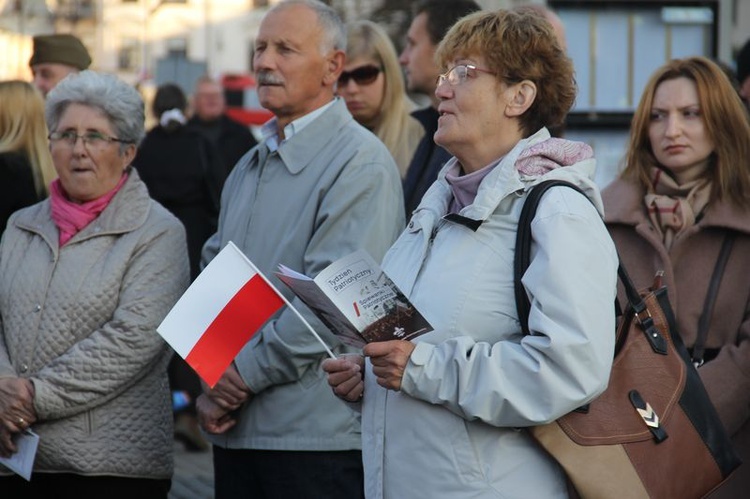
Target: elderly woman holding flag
(85, 278)
(440, 414)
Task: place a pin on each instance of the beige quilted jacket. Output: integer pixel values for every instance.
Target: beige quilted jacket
(80, 322)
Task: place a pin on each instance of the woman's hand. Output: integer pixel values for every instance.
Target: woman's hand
(389, 359)
(16, 404)
(7, 447)
(345, 376)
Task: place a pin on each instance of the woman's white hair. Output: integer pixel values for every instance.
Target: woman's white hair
(120, 102)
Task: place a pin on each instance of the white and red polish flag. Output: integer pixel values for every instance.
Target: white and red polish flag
(223, 308)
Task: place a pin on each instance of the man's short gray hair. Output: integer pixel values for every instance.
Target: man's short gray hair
(329, 20)
(120, 102)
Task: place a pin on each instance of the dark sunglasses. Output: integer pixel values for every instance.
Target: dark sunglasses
(363, 75)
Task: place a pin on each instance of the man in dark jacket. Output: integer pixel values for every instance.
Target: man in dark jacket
(232, 139)
(432, 20)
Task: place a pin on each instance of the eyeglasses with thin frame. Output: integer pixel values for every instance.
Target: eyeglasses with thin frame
(92, 140)
(459, 74)
(363, 75)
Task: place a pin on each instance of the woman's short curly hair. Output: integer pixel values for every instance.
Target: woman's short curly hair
(517, 46)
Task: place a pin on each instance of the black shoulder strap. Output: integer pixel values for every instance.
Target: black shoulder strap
(523, 245)
(523, 257)
(699, 348)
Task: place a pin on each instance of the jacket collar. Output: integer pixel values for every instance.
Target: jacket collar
(126, 212)
(505, 181)
(305, 146)
(624, 201)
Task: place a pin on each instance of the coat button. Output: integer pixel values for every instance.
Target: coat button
(24, 368)
(38, 308)
(411, 225)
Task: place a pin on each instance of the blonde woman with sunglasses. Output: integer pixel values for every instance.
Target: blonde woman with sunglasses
(373, 87)
(25, 163)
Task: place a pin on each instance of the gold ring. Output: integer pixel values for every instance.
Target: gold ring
(21, 421)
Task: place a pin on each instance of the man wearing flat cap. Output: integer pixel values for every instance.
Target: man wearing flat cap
(55, 57)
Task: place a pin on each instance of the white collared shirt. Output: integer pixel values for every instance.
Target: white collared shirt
(270, 133)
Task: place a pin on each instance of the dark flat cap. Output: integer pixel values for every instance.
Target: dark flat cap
(62, 49)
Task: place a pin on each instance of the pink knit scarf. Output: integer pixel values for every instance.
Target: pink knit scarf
(71, 217)
(536, 160)
(550, 154)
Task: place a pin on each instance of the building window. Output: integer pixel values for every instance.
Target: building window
(177, 47)
(128, 57)
(75, 10)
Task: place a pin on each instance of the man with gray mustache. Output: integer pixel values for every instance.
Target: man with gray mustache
(318, 187)
(268, 79)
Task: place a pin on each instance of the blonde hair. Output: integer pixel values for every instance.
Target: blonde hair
(724, 117)
(396, 128)
(23, 130)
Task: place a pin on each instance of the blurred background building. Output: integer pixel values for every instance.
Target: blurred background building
(615, 45)
(141, 40)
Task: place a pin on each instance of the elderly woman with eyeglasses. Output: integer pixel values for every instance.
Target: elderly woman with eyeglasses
(441, 415)
(86, 276)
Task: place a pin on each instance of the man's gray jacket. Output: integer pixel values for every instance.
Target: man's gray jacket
(330, 189)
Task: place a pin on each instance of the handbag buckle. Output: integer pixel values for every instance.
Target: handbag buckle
(643, 320)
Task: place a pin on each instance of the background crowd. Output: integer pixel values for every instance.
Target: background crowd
(105, 224)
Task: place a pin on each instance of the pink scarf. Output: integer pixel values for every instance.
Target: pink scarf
(533, 161)
(550, 154)
(71, 217)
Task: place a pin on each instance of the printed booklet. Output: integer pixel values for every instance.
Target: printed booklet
(357, 301)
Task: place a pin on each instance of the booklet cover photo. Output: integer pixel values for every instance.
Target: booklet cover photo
(357, 301)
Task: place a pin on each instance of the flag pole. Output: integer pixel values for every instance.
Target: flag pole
(288, 304)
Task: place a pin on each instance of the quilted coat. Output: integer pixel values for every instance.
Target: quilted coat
(80, 322)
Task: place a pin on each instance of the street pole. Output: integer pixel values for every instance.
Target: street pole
(144, 41)
(208, 34)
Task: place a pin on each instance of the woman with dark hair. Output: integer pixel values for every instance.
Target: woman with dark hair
(181, 170)
(184, 173)
(683, 196)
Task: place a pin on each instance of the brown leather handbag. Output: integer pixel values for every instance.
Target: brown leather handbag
(653, 433)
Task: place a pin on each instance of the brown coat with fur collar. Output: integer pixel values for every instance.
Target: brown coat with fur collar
(688, 268)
